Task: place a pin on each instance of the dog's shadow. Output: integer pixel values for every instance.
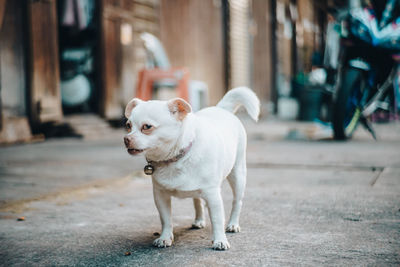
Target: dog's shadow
(142, 242)
(136, 248)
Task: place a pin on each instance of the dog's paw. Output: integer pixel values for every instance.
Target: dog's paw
(221, 245)
(162, 243)
(198, 224)
(232, 228)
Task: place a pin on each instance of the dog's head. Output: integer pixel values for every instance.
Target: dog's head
(154, 125)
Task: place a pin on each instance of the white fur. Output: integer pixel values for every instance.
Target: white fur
(241, 96)
(218, 151)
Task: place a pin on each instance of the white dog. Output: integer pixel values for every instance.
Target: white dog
(190, 154)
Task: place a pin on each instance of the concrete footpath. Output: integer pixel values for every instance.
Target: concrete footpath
(85, 202)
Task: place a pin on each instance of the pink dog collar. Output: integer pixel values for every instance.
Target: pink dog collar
(149, 168)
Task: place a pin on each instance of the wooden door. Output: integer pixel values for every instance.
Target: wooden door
(109, 58)
(43, 63)
(263, 67)
(114, 13)
(122, 52)
(192, 34)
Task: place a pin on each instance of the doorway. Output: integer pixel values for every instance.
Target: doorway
(78, 39)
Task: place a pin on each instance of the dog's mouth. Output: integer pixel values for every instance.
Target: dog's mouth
(134, 151)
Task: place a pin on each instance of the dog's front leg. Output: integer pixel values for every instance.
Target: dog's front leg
(217, 216)
(163, 203)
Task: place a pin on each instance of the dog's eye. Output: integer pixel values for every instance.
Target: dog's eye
(128, 126)
(146, 127)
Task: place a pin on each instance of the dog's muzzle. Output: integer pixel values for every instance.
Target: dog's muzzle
(129, 145)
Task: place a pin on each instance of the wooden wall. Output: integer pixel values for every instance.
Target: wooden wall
(14, 126)
(12, 58)
(262, 81)
(43, 62)
(192, 34)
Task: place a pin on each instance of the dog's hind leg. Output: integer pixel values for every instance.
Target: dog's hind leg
(199, 221)
(215, 206)
(237, 181)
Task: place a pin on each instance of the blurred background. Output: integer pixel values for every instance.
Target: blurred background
(64, 61)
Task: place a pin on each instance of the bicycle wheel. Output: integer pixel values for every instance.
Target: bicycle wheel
(347, 106)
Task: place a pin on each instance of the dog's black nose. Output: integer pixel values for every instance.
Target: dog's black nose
(126, 141)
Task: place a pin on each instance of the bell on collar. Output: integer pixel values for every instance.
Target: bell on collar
(148, 169)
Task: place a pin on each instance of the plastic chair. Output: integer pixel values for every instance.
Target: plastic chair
(150, 79)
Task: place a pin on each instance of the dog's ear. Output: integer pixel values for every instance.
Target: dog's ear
(179, 108)
(131, 105)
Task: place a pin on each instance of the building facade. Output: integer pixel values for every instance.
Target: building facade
(50, 48)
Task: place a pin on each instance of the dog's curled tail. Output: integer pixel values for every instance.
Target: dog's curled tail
(241, 96)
